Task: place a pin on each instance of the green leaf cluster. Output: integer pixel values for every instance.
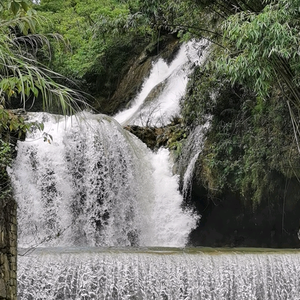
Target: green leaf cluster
(5, 161)
(262, 47)
(21, 76)
(249, 89)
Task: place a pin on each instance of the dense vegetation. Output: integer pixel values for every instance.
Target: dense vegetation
(250, 87)
(101, 38)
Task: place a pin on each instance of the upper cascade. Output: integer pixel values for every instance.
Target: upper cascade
(159, 98)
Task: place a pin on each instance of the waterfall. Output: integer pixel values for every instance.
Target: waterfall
(95, 184)
(85, 187)
(86, 181)
(167, 83)
(96, 206)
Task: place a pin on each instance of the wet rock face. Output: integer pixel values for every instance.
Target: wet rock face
(138, 69)
(155, 137)
(146, 134)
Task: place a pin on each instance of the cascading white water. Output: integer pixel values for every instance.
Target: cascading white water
(159, 275)
(191, 151)
(97, 185)
(172, 80)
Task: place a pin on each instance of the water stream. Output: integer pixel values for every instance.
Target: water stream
(168, 83)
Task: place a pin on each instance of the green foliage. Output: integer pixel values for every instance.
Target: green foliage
(263, 53)
(176, 140)
(8, 122)
(263, 47)
(250, 148)
(185, 18)
(102, 36)
(21, 76)
(63, 18)
(14, 126)
(5, 161)
(14, 7)
(250, 89)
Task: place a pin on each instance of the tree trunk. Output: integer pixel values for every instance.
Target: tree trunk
(8, 248)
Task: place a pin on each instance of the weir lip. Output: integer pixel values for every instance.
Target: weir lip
(156, 250)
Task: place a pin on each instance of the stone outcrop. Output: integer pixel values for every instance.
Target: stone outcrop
(155, 137)
(8, 249)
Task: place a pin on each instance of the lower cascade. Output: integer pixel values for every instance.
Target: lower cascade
(88, 191)
(88, 182)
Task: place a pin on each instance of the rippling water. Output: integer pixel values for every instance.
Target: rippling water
(157, 274)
